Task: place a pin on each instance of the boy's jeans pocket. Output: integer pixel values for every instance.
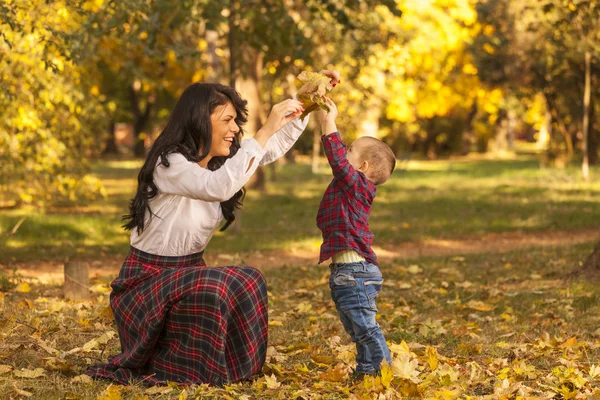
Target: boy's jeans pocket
(372, 289)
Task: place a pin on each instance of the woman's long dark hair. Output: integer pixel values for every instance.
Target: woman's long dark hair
(189, 132)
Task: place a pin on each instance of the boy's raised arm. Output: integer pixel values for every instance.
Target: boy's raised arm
(337, 157)
(335, 149)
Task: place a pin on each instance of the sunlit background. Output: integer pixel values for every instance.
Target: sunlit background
(431, 78)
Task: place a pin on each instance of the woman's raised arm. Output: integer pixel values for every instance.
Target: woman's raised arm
(283, 140)
(188, 179)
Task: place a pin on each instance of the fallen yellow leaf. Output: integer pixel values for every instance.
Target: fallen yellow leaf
(103, 339)
(30, 374)
(23, 288)
(112, 392)
(572, 342)
(406, 368)
(387, 375)
(272, 382)
(479, 305)
(159, 390)
(83, 378)
(322, 359)
(432, 359)
(334, 374)
(5, 369)
(22, 392)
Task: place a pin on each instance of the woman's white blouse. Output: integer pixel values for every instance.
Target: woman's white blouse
(187, 207)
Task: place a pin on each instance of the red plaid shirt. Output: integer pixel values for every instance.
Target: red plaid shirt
(343, 215)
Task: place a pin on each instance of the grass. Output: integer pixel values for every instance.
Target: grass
(434, 199)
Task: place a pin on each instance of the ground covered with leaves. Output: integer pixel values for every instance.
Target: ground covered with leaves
(475, 303)
(479, 326)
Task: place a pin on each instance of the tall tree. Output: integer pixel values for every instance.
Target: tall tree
(149, 52)
(48, 132)
(575, 24)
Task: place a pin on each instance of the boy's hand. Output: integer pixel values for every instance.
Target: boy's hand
(333, 111)
(327, 119)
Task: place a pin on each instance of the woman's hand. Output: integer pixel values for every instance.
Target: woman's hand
(334, 74)
(281, 114)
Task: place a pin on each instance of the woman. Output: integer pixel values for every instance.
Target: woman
(179, 320)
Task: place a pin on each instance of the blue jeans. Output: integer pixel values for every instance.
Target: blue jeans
(354, 288)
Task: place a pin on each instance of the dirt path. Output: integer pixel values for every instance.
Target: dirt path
(108, 267)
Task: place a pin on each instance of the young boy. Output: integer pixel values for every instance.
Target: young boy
(343, 215)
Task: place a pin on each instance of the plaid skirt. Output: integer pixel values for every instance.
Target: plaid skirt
(181, 321)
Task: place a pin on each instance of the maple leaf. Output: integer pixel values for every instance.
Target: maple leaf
(302, 368)
(387, 374)
(434, 328)
(21, 392)
(47, 348)
(312, 93)
(432, 359)
(523, 369)
(83, 378)
(347, 355)
(304, 307)
(159, 390)
(401, 348)
(23, 288)
(271, 381)
(112, 392)
(5, 369)
(183, 395)
(406, 367)
(571, 342)
(30, 374)
(102, 339)
(447, 374)
(334, 374)
(322, 359)
(479, 305)
(414, 269)
(594, 371)
(57, 364)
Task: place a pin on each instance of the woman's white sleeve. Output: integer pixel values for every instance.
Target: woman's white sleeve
(188, 179)
(283, 140)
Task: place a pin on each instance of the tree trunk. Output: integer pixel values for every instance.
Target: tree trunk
(591, 266)
(562, 129)
(110, 147)
(232, 42)
(512, 123)
(214, 70)
(429, 147)
(468, 138)
(292, 91)
(140, 118)
(369, 125)
(593, 139)
(593, 260)
(499, 144)
(545, 131)
(77, 281)
(248, 84)
(586, 116)
(245, 75)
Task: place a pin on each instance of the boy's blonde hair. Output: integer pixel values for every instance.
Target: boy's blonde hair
(381, 158)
